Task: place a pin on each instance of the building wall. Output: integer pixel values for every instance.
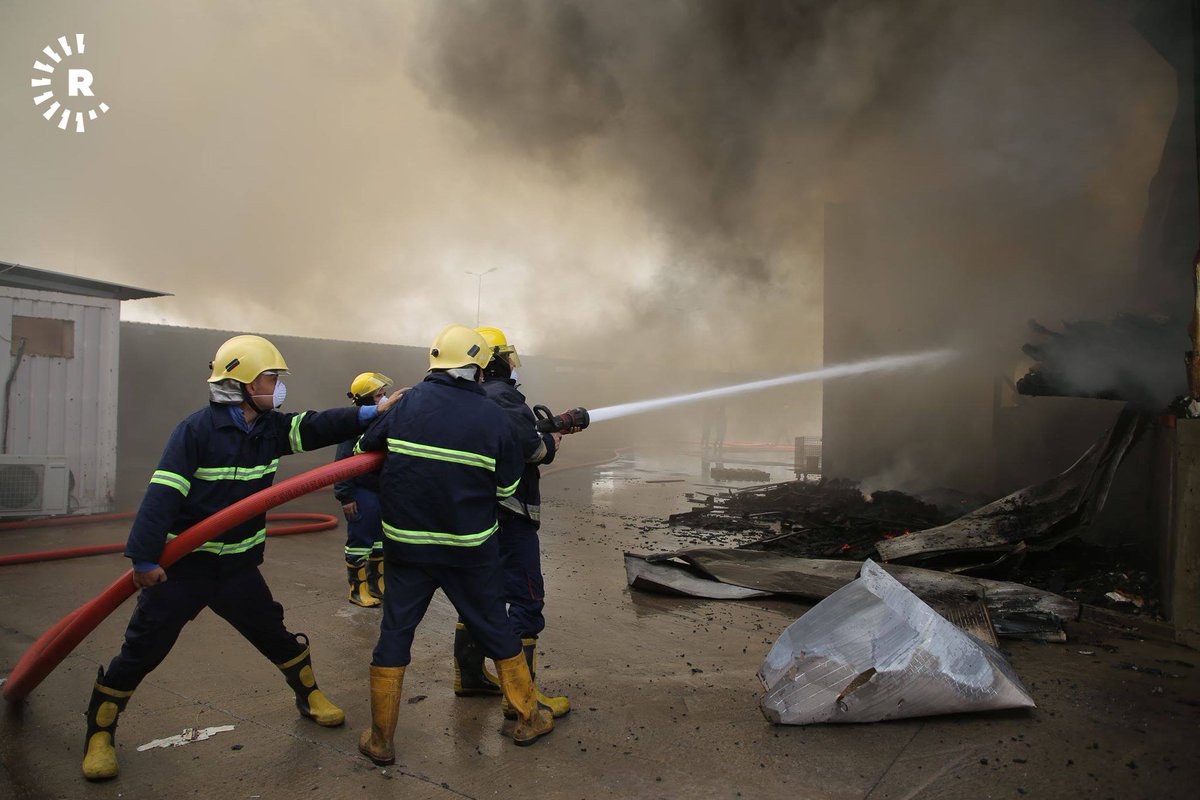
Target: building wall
(67, 406)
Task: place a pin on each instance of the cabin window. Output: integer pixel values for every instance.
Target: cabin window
(43, 336)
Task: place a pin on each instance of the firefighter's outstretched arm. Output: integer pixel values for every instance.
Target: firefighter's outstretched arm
(169, 487)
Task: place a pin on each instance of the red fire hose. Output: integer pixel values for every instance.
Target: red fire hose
(55, 644)
(316, 522)
(58, 522)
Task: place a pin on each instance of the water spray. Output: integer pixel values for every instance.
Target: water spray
(579, 418)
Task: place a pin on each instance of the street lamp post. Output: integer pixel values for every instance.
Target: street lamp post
(479, 289)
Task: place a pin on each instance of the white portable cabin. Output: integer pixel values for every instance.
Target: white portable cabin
(58, 391)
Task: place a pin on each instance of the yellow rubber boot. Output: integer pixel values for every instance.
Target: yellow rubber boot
(311, 702)
(377, 742)
(559, 705)
(360, 586)
(533, 720)
(100, 750)
(375, 576)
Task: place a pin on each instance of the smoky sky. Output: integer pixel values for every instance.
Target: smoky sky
(649, 180)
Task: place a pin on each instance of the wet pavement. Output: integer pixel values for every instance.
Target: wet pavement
(664, 689)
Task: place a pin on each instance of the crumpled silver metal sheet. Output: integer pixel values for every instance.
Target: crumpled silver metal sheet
(872, 651)
(675, 579)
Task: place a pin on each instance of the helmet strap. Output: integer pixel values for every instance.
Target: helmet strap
(249, 398)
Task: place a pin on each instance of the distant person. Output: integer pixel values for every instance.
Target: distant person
(217, 456)
(712, 435)
(451, 455)
(359, 497)
(520, 518)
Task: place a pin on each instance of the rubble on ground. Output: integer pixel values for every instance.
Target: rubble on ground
(729, 573)
(813, 519)
(1030, 537)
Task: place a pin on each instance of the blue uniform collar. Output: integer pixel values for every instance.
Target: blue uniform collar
(222, 416)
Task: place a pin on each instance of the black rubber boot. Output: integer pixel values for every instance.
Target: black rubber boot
(375, 577)
(470, 677)
(310, 700)
(100, 746)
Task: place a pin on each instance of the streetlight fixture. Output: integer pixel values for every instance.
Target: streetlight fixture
(479, 289)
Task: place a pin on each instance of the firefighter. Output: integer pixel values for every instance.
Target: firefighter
(520, 518)
(215, 457)
(359, 497)
(450, 455)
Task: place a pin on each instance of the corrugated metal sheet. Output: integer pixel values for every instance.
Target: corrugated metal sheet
(68, 406)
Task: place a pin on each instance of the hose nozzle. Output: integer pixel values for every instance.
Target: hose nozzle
(567, 422)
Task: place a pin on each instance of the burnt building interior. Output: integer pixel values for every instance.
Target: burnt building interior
(1006, 417)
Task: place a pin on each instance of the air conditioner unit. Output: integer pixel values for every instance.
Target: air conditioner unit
(33, 486)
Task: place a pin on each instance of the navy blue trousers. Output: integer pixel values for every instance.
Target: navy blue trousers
(364, 533)
(521, 560)
(242, 599)
(475, 592)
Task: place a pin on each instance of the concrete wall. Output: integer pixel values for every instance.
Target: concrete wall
(164, 371)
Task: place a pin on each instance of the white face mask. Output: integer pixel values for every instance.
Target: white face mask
(514, 377)
(278, 396)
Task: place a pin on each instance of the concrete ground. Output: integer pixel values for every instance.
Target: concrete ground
(664, 689)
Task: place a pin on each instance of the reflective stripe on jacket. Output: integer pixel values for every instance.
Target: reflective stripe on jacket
(451, 456)
(210, 463)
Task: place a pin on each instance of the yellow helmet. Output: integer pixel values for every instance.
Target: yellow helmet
(499, 344)
(244, 358)
(367, 384)
(458, 346)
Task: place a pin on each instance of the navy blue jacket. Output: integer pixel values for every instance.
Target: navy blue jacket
(536, 448)
(344, 490)
(210, 463)
(450, 455)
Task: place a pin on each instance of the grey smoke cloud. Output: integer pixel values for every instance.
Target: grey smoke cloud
(735, 123)
(649, 178)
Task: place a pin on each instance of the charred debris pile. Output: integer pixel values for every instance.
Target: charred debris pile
(811, 519)
(1032, 537)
